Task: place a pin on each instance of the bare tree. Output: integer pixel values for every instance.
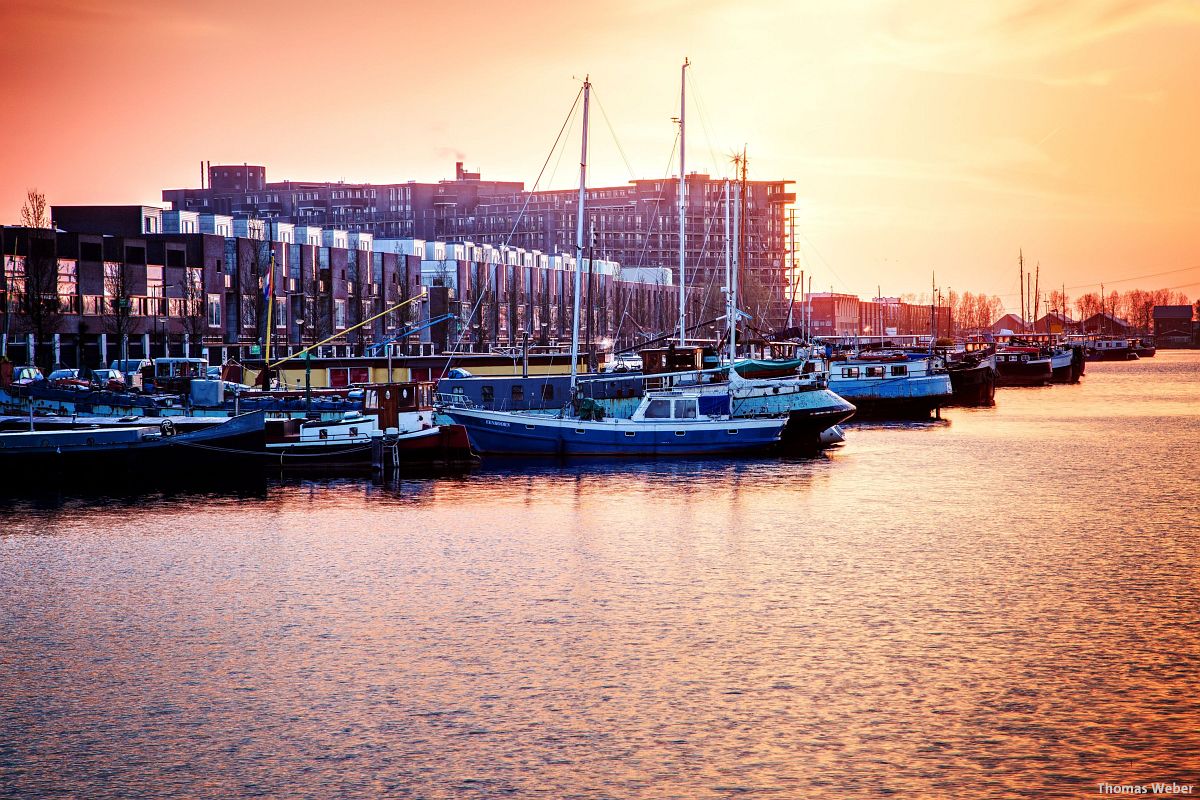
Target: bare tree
(195, 320)
(35, 213)
(118, 305)
(37, 304)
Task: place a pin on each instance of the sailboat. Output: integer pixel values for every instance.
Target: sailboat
(666, 422)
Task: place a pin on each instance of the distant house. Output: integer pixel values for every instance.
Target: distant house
(1009, 322)
(1106, 324)
(1173, 325)
(1056, 322)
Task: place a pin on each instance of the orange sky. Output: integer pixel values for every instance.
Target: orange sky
(922, 136)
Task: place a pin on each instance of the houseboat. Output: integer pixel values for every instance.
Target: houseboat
(396, 428)
(890, 383)
(1111, 349)
(147, 452)
(1022, 365)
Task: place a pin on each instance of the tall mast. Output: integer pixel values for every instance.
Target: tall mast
(1021, 282)
(730, 303)
(737, 245)
(682, 202)
(1037, 293)
(583, 152)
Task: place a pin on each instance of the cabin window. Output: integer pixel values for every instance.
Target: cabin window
(658, 409)
(685, 409)
(457, 390)
(487, 393)
(899, 370)
(849, 372)
(518, 393)
(324, 434)
(353, 431)
(874, 372)
(547, 391)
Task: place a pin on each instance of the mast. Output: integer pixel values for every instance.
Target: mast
(1021, 282)
(730, 312)
(1037, 293)
(736, 265)
(682, 203)
(587, 91)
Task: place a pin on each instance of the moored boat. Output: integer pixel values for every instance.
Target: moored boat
(666, 423)
(885, 384)
(145, 452)
(396, 429)
(1022, 365)
(1111, 349)
(973, 378)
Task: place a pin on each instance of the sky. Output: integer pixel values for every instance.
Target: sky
(927, 140)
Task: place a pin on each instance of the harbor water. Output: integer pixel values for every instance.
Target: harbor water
(1002, 603)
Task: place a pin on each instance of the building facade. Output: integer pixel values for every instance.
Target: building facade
(135, 282)
(636, 225)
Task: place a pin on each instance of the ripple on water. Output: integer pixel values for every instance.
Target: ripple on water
(1001, 604)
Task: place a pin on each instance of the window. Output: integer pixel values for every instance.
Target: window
(281, 315)
(487, 393)
(849, 372)
(547, 391)
(658, 409)
(339, 313)
(154, 281)
(214, 311)
(874, 372)
(685, 409)
(900, 370)
(518, 393)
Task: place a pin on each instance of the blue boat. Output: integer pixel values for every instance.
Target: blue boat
(891, 384)
(666, 423)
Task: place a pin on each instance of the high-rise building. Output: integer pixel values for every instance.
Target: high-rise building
(636, 224)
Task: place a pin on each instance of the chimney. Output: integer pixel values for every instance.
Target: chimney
(458, 170)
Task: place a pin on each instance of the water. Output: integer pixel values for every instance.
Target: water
(1001, 604)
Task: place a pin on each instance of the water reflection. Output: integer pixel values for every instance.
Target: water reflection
(1002, 604)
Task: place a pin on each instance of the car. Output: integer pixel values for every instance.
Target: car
(67, 379)
(109, 380)
(624, 362)
(131, 368)
(23, 376)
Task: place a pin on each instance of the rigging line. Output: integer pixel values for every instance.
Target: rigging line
(702, 108)
(1122, 280)
(824, 261)
(657, 203)
(487, 268)
(613, 132)
(542, 171)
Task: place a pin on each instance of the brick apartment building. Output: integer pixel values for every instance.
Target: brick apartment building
(146, 282)
(837, 314)
(636, 225)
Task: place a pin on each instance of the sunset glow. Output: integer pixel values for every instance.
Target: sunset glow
(922, 136)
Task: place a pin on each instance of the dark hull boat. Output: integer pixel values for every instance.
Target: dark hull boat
(138, 453)
(973, 382)
(1111, 350)
(1067, 364)
(1023, 366)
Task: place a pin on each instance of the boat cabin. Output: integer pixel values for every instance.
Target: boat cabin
(174, 375)
(404, 406)
(668, 407)
(657, 360)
